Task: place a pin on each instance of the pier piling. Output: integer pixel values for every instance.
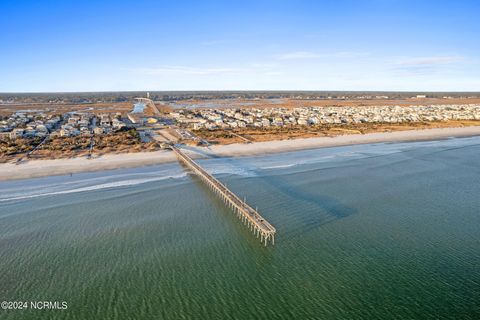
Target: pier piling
(246, 214)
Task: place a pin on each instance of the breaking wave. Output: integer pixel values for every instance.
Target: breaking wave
(108, 185)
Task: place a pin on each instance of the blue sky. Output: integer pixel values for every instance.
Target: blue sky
(239, 45)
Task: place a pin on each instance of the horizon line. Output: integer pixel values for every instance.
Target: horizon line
(243, 90)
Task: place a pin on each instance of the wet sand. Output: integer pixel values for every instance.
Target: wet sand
(40, 168)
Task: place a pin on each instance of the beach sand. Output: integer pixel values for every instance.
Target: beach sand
(40, 168)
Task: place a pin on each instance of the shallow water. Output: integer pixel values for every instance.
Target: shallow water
(384, 231)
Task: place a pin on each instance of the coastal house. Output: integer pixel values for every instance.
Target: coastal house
(16, 133)
(198, 126)
(136, 118)
(64, 133)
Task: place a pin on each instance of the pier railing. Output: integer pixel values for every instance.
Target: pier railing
(249, 216)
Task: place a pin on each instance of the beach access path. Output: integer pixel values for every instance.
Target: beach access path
(41, 168)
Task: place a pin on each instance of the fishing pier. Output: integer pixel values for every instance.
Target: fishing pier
(249, 216)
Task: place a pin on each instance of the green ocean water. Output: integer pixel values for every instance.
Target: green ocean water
(385, 231)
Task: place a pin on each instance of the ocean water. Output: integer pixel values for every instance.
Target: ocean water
(382, 231)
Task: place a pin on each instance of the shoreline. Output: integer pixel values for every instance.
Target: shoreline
(43, 168)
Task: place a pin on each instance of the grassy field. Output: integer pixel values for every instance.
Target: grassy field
(295, 132)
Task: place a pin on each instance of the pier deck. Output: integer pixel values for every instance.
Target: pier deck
(249, 216)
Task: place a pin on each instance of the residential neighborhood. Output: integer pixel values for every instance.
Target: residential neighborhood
(71, 124)
(40, 125)
(213, 119)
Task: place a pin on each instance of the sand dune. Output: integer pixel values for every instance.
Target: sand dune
(39, 168)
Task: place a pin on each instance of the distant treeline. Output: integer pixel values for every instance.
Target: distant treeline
(109, 97)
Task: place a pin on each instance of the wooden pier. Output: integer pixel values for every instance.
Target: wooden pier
(249, 216)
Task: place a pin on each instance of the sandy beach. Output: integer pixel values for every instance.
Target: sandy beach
(40, 168)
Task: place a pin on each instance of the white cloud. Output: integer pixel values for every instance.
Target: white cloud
(423, 66)
(185, 70)
(298, 55)
(429, 61)
(251, 70)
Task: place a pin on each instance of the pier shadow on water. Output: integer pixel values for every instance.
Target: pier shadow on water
(322, 209)
(245, 237)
